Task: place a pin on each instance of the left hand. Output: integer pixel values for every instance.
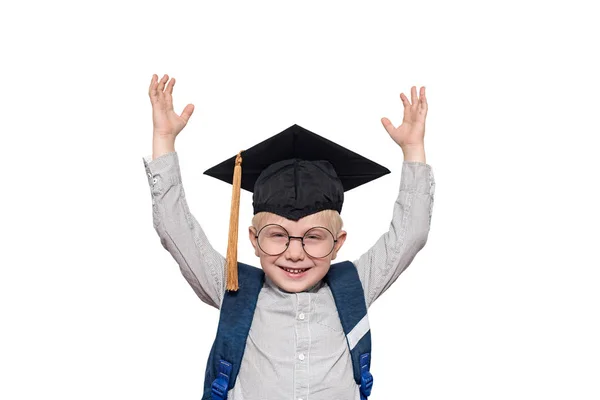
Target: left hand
(411, 133)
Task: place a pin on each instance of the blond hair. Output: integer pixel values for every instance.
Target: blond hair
(331, 219)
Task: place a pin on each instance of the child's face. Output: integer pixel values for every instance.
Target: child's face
(294, 257)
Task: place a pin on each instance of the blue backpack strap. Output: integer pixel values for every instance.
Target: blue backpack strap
(237, 312)
(349, 297)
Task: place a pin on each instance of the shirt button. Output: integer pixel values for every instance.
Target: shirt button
(301, 357)
(301, 316)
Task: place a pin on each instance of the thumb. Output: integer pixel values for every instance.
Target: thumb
(187, 112)
(387, 124)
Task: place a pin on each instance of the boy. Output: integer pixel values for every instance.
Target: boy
(296, 347)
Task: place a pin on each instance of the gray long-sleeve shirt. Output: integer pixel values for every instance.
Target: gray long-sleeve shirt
(296, 348)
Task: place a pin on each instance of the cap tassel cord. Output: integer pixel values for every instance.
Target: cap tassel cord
(232, 268)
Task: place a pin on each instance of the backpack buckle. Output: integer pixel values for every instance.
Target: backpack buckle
(366, 383)
(366, 378)
(220, 385)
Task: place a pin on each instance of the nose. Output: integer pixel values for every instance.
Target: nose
(295, 252)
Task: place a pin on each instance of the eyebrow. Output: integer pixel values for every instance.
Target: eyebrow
(305, 230)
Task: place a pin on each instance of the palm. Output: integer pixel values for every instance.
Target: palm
(412, 130)
(165, 119)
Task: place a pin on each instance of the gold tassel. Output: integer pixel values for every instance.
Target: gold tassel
(232, 270)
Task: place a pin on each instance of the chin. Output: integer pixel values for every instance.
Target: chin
(295, 287)
(295, 280)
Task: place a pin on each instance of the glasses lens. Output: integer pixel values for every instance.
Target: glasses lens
(318, 242)
(273, 239)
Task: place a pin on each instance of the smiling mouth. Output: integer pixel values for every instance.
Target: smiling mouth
(295, 271)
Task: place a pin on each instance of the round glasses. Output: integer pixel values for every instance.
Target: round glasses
(317, 242)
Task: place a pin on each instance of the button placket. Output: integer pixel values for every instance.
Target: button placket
(302, 346)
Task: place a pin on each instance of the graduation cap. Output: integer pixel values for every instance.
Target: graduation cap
(293, 174)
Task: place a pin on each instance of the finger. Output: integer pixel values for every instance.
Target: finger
(187, 112)
(407, 107)
(170, 85)
(152, 88)
(151, 83)
(423, 99)
(161, 84)
(404, 99)
(413, 95)
(387, 124)
(168, 94)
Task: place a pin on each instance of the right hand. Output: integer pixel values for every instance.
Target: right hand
(167, 124)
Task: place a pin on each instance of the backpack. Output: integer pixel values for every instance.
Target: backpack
(237, 311)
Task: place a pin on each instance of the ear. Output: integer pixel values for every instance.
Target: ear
(252, 236)
(340, 242)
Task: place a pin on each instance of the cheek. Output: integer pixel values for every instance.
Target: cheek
(323, 266)
(267, 261)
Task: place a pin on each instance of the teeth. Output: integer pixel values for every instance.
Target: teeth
(294, 271)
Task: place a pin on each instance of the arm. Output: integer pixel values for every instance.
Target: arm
(394, 251)
(179, 232)
(381, 265)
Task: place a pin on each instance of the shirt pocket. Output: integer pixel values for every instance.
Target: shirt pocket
(326, 314)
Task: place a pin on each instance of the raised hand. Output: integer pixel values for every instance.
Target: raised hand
(167, 124)
(411, 133)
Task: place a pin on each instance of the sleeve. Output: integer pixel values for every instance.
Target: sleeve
(179, 232)
(393, 252)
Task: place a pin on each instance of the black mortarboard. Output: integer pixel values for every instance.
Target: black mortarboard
(293, 174)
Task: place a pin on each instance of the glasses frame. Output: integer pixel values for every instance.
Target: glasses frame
(287, 245)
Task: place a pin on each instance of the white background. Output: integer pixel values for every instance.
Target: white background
(503, 301)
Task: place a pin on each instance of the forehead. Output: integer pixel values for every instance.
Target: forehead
(302, 224)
